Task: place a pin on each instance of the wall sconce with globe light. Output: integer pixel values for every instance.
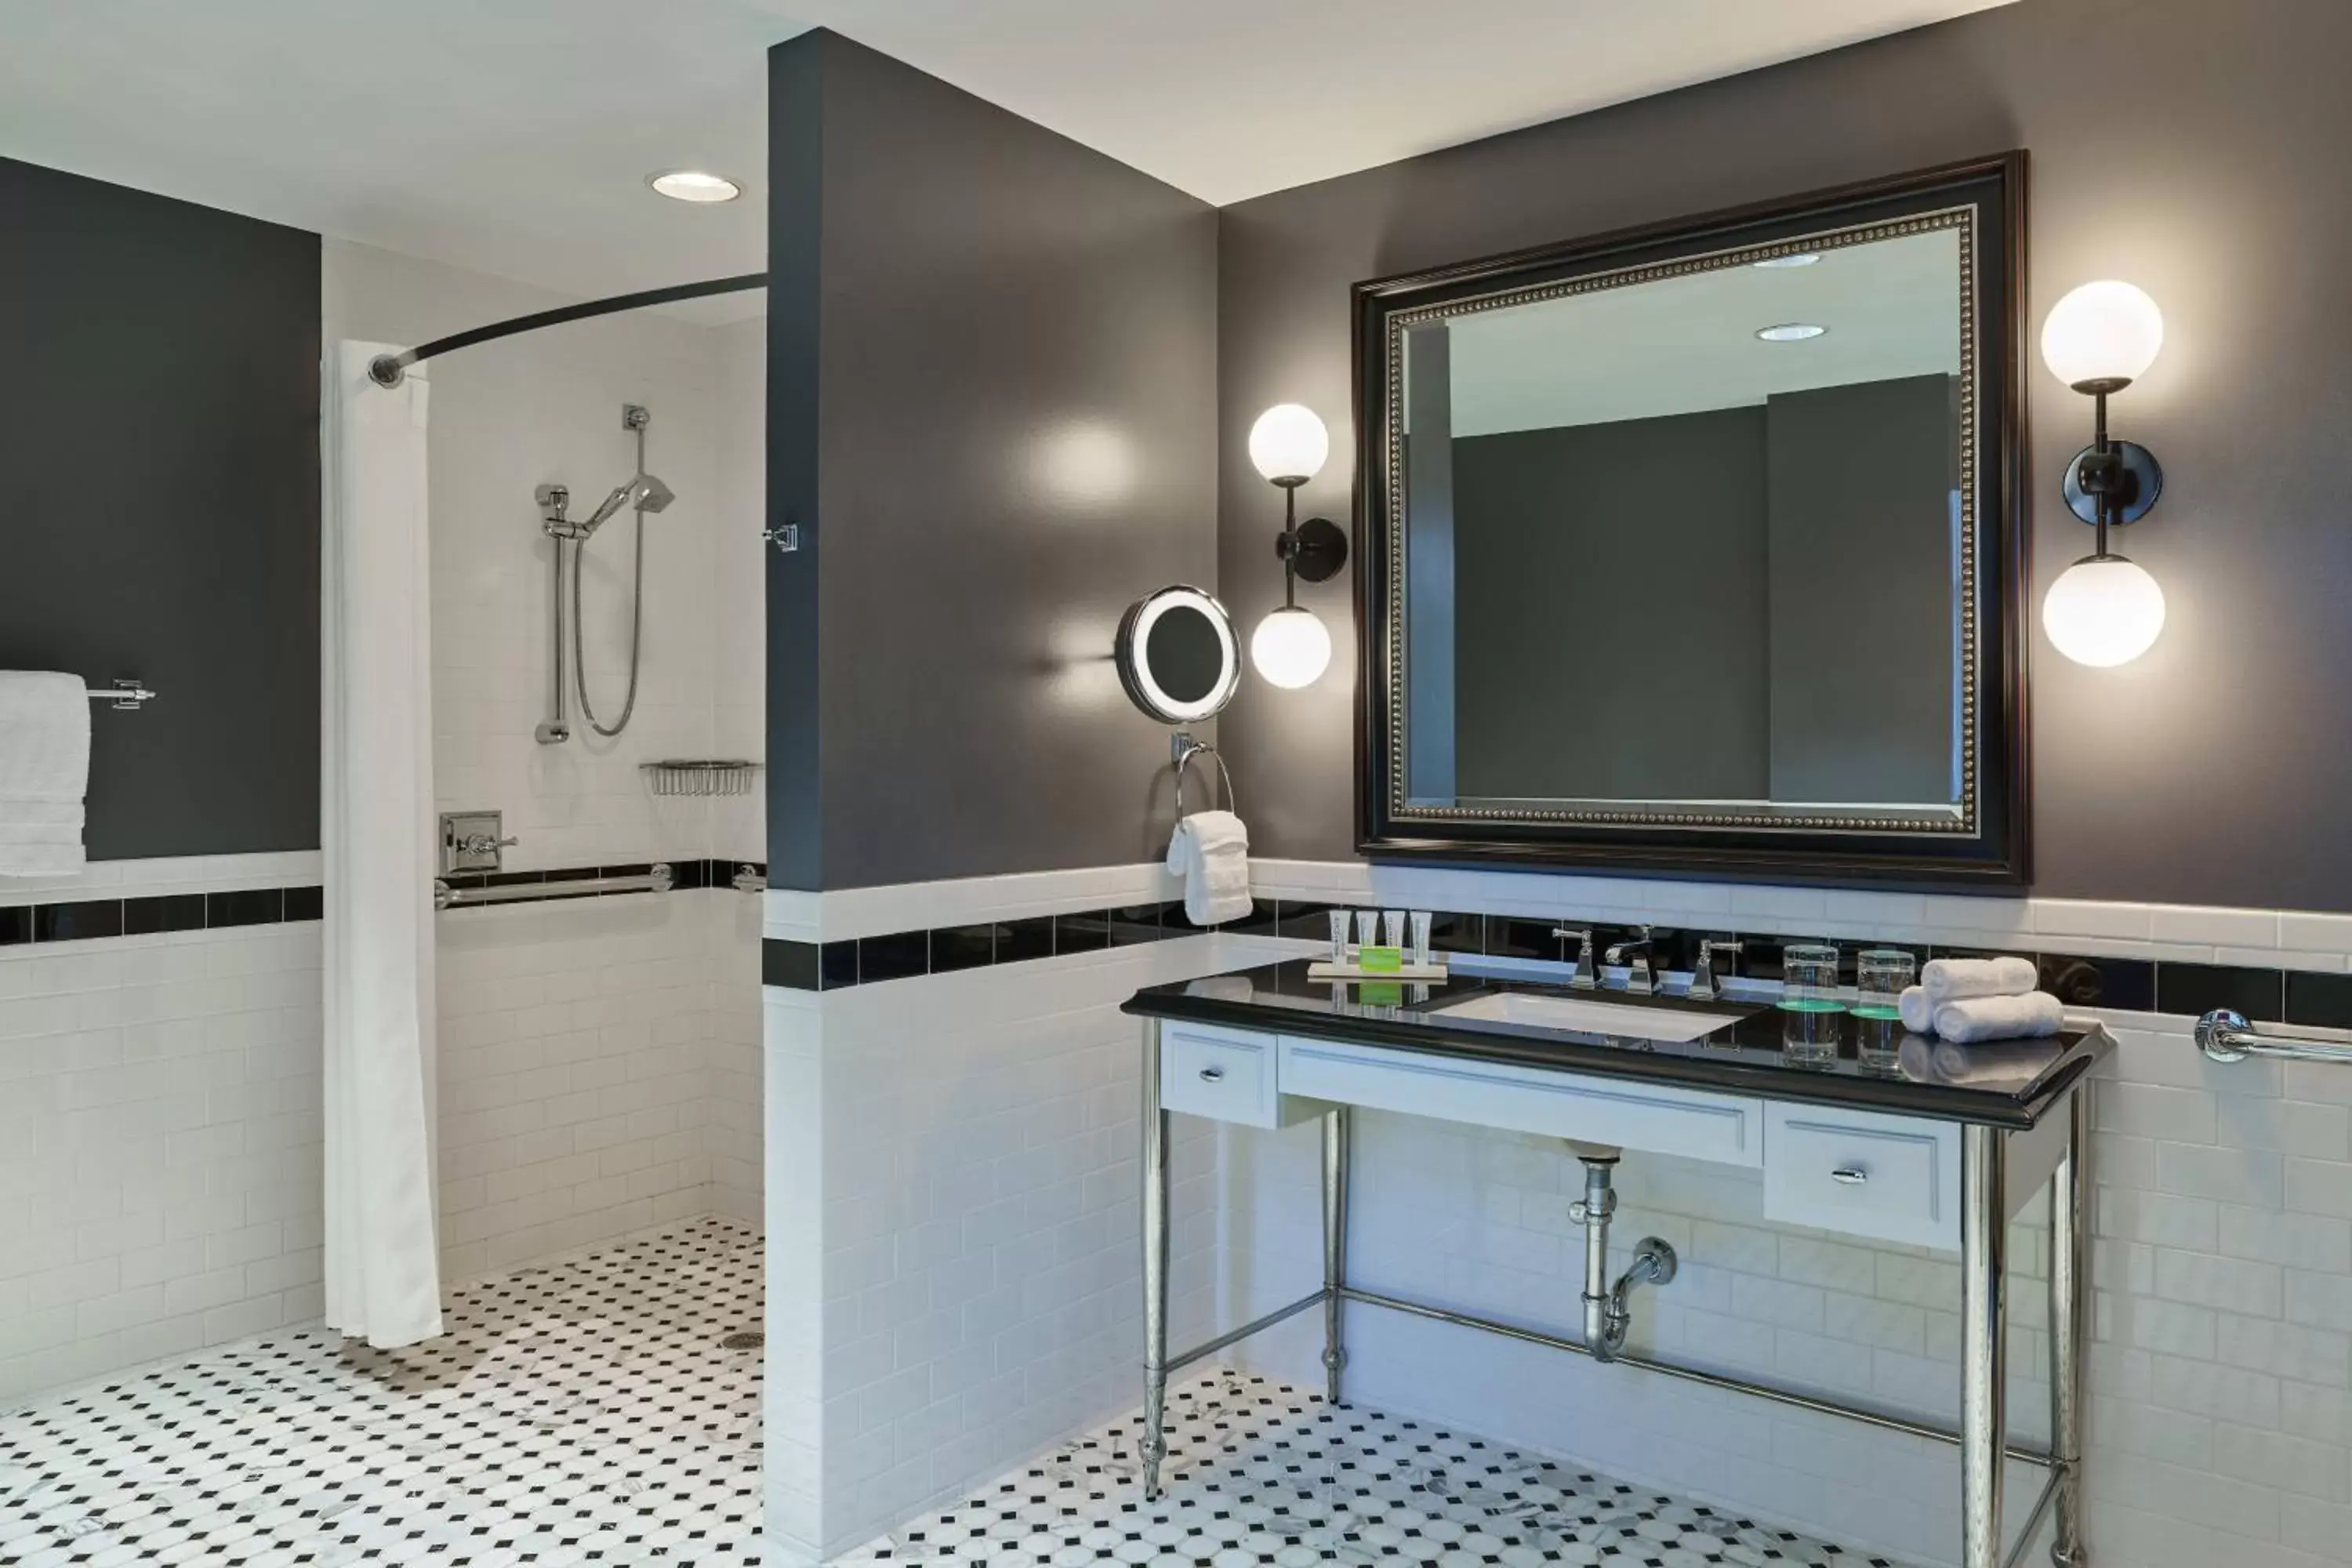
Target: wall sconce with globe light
(2104, 610)
(1291, 647)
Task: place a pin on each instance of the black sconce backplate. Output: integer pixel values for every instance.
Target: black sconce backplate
(1317, 551)
(2128, 473)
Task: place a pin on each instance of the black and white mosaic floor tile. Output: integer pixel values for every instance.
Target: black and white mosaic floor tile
(1259, 1473)
(585, 1412)
(593, 1412)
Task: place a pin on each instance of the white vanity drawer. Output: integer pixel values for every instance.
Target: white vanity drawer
(1226, 1075)
(1726, 1129)
(1894, 1177)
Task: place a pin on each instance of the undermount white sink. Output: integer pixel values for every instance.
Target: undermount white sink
(1534, 1010)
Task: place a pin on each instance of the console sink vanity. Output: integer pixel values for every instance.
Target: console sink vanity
(1937, 1150)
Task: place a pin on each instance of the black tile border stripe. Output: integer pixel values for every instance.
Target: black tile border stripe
(158, 914)
(2322, 998)
(90, 920)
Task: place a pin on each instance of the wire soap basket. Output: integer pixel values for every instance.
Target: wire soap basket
(685, 775)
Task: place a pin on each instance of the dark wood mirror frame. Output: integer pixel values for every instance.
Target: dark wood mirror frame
(1995, 851)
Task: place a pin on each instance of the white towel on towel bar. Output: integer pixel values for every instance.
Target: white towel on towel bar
(1210, 851)
(44, 772)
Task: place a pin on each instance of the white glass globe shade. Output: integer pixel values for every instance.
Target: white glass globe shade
(2100, 331)
(2102, 612)
(1288, 442)
(1291, 649)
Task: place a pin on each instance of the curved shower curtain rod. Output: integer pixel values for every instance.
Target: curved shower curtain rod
(385, 370)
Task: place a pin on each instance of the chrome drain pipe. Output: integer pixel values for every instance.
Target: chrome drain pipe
(1609, 1308)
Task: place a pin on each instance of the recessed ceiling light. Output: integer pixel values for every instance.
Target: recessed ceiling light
(1791, 332)
(1802, 259)
(694, 185)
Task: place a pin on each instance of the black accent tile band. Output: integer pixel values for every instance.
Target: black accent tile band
(2195, 988)
(2126, 985)
(157, 914)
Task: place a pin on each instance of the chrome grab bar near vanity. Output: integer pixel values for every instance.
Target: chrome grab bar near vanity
(2226, 1037)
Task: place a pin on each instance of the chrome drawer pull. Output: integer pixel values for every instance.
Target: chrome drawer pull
(1212, 1075)
(1850, 1175)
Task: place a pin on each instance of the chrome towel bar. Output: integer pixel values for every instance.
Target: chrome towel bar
(2226, 1037)
(446, 896)
(125, 695)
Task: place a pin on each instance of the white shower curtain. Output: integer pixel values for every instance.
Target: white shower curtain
(382, 1271)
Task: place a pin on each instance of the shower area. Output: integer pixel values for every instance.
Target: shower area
(594, 501)
(590, 840)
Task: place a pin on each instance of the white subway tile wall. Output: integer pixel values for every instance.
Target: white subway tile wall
(159, 1122)
(575, 1098)
(972, 1268)
(166, 875)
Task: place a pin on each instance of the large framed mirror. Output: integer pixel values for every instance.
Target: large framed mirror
(1698, 548)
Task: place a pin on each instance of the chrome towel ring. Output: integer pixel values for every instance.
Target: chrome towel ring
(1186, 749)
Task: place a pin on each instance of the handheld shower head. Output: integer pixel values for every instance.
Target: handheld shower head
(644, 493)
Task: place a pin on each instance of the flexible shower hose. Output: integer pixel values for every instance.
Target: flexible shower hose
(636, 625)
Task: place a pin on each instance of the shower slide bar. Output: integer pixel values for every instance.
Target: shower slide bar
(386, 370)
(2226, 1037)
(446, 896)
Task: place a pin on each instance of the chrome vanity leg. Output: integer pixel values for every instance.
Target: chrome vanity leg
(1984, 1233)
(1155, 1264)
(2070, 1194)
(1335, 1245)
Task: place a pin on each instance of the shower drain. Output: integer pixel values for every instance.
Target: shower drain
(743, 1340)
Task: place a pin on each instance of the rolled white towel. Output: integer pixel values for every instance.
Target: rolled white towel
(1964, 979)
(1918, 1012)
(2032, 1017)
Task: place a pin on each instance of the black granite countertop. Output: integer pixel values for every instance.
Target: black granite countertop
(2000, 1084)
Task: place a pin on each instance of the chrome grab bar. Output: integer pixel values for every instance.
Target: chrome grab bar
(2226, 1037)
(446, 896)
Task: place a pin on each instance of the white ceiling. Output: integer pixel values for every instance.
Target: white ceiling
(514, 136)
(1681, 345)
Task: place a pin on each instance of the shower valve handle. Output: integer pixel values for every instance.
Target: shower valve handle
(483, 843)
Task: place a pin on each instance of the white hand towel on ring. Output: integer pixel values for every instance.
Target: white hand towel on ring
(1209, 850)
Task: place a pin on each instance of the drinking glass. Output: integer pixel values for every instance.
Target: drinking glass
(1881, 976)
(1811, 1006)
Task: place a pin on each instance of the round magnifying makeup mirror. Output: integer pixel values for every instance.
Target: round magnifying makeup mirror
(1178, 656)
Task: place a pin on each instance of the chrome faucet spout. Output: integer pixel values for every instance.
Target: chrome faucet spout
(1638, 959)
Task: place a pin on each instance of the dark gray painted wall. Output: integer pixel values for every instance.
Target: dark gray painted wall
(1863, 591)
(1015, 408)
(2201, 155)
(158, 411)
(796, 80)
(1612, 610)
